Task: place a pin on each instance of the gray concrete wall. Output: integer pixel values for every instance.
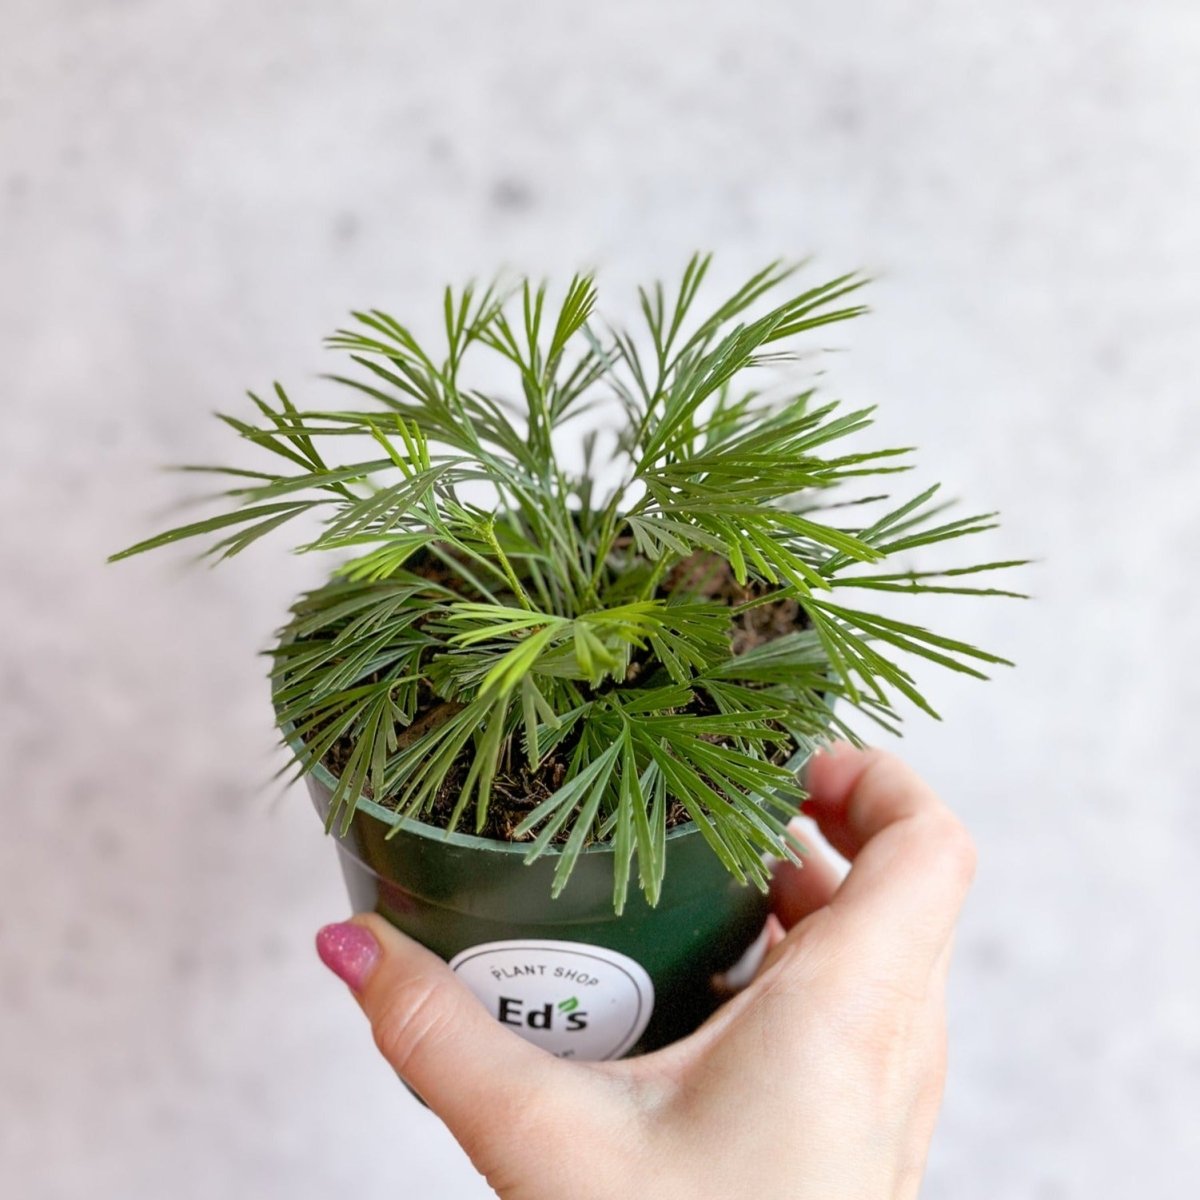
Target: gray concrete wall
(192, 193)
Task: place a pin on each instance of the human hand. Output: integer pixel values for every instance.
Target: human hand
(821, 1079)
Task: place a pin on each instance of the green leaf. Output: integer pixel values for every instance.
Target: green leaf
(286, 509)
(491, 611)
(560, 805)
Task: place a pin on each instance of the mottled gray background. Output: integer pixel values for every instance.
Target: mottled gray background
(193, 192)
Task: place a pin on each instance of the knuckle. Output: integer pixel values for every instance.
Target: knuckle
(414, 1014)
(891, 1036)
(944, 834)
(959, 849)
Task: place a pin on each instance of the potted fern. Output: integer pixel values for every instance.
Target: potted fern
(529, 685)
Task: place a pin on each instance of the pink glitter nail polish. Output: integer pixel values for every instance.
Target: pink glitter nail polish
(349, 951)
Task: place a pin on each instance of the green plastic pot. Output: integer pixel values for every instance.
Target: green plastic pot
(565, 973)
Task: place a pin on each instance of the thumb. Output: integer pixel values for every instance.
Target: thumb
(427, 1023)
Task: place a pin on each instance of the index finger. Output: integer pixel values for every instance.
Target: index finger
(912, 860)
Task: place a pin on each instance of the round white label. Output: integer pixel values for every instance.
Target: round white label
(575, 1000)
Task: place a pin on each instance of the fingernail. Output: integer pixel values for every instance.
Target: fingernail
(349, 951)
(808, 762)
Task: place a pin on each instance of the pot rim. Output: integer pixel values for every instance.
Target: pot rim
(473, 841)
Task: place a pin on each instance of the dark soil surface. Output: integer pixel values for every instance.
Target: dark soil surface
(517, 791)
